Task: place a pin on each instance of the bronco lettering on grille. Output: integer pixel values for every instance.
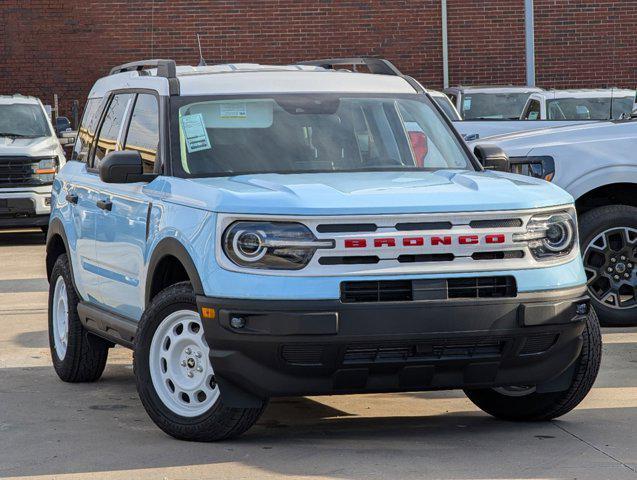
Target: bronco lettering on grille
(433, 240)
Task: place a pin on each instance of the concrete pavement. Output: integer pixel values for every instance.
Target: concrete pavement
(49, 429)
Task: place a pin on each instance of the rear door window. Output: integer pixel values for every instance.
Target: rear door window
(110, 131)
(86, 132)
(143, 131)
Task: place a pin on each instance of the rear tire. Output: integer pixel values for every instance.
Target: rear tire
(517, 405)
(77, 355)
(174, 376)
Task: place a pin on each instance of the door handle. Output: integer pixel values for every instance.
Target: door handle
(72, 198)
(105, 204)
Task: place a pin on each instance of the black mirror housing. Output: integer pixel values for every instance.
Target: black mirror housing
(492, 157)
(124, 166)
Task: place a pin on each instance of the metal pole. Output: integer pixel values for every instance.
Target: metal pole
(445, 46)
(529, 27)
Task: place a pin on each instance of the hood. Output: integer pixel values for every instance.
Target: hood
(362, 193)
(28, 147)
(522, 143)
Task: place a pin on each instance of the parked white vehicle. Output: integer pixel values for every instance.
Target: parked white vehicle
(556, 108)
(490, 102)
(581, 104)
(596, 164)
(445, 104)
(30, 156)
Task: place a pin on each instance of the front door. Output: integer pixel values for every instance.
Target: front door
(121, 236)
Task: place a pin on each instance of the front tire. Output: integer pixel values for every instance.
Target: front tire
(77, 355)
(526, 404)
(174, 376)
(608, 237)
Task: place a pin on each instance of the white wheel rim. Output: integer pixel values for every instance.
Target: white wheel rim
(180, 368)
(60, 312)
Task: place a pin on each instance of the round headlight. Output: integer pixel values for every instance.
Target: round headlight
(249, 245)
(558, 235)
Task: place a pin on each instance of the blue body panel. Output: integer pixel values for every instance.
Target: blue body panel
(115, 272)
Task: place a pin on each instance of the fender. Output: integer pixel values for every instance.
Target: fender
(170, 246)
(600, 178)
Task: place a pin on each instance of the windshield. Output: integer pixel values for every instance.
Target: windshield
(493, 106)
(588, 108)
(295, 133)
(23, 120)
(447, 107)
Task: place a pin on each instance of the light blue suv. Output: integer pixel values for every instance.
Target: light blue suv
(257, 231)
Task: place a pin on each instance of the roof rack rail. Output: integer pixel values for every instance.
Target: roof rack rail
(165, 68)
(379, 66)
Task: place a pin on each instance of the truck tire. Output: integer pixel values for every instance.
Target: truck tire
(608, 237)
(525, 404)
(174, 376)
(77, 355)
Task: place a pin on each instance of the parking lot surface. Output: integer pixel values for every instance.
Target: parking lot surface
(49, 429)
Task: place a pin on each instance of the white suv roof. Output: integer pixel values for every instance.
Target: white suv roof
(244, 78)
(585, 93)
(18, 98)
(493, 89)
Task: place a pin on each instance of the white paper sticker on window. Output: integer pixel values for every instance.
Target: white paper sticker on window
(466, 104)
(233, 110)
(195, 133)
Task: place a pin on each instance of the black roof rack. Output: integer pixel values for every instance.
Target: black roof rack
(165, 68)
(375, 65)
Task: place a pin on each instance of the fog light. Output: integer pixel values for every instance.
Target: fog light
(47, 201)
(582, 309)
(237, 322)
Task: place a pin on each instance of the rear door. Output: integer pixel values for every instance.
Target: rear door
(88, 217)
(121, 238)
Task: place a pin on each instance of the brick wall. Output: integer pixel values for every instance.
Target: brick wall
(49, 46)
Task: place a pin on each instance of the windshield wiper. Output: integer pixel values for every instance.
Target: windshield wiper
(15, 135)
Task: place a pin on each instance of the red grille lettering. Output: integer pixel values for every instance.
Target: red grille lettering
(495, 238)
(384, 242)
(468, 239)
(355, 243)
(446, 240)
(413, 242)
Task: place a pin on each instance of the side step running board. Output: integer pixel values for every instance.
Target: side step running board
(110, 326)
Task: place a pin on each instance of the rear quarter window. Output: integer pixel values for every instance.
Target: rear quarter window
(86, 132)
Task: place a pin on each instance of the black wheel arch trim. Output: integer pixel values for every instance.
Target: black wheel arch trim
(172, 247)
(56, 228)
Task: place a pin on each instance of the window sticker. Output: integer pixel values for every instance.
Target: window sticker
(466, 104)
(534, 115)
(195, 133)
(233, 110)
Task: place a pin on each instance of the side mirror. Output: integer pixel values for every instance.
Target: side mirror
(124, 166)
(492, 157)
(68, 138)
(62, 124)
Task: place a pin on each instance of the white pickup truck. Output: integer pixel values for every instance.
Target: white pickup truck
(597, 164)
(554, 108)
(30, 157)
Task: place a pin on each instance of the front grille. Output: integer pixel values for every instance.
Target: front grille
(17, 171)
(428, 289)
(438, 349)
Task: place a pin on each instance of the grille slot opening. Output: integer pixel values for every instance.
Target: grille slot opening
(423, 226)
(346, 227)
(481, 287)
(539, 343)
(503, 255)
(303, 354)
(499, 223)
(354, 260)
(431, 257)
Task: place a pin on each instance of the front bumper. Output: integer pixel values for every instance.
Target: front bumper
(328, 347)
(26, 208)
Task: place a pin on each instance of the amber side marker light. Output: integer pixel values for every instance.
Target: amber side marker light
(44, 171)
(207, 312)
